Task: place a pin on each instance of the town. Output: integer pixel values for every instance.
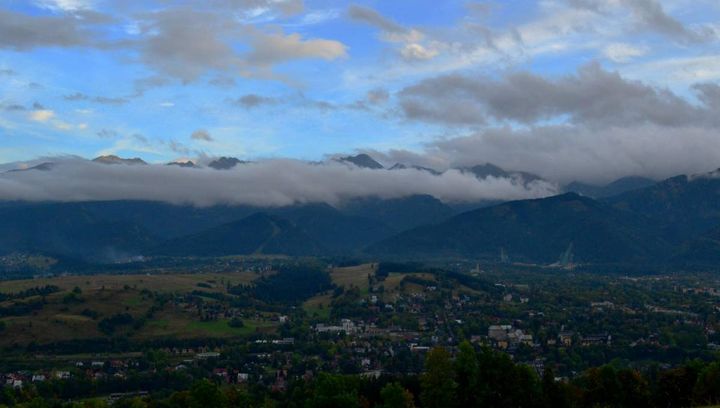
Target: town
(260, 328)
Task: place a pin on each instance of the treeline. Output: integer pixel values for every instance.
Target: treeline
(486, 378)
(291, 284)
(472, 378)
(108, 325)
(22, 308)
(36, 291)
(385, 268)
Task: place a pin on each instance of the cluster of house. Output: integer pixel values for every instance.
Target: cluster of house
(180, 351)
(702, 291)
(21, 378)
(346, 326)
(92, 369)
(102, 369)
(507, 337)
(277, 380)
(285, 341)
(368, 330)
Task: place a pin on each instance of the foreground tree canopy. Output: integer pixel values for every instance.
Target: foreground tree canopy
(470, 378)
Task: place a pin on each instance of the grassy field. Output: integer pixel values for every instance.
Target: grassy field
(159, 282)
(221, 328)
(107, 295)
(356, 276)
(318, 305)
(347, 277)
(392, 282)
(101, 296)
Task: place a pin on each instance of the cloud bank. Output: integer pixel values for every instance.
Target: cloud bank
(263, 183)
(592, 125)
(567, 153)
(593, 97)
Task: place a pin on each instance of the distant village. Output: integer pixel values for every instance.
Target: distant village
(389, 332)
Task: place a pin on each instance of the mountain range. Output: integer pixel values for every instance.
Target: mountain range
(259, 233)
(115, 230)
(362, 160)
(676, 221)
(225, 163)
(616, 187)
(630, 221)
(112, 159)
(365, 161)
(534, 231)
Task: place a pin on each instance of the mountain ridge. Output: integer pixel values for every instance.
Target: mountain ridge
(259, 233)
(535, 231)
(619, 186)
(113, 159)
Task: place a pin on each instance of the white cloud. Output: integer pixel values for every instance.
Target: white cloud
(569, 153)
(317, 17)
(50, 117)
(187, 44)
(65, 126)
(622, 53)
(680, 71)
(418, 52)
(408, 36)
(132, 28)
(646, 16)
(21, 31)
(66, 5)
(62, 125)
(42, 115)
(413, 45)
(592, 97)
(269, 49)
(557, 28)
(263, 183)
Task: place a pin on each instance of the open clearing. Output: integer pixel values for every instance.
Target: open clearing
(356, 276)
(155, 282)
(61, 319)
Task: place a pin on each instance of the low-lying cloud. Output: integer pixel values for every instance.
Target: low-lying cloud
(262, 183)
(567, 153)
(592, 126)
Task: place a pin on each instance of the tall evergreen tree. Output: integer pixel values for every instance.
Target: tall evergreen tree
(393, 395)
(466, 368)
(438, 381)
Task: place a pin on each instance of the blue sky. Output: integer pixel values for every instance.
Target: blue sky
(306, 79)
